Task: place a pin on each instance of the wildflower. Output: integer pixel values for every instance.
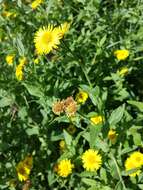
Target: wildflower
(22, 61)
(7, 14)
(65, 168)
(22, 172)
(81, 97)
(46, 39)
(58, 107)
(28, 162)
(19, 68)
(135, 161)
(121, 54)
(24, 168)
(63, 28)
(123, 71)
(70, 106)
(36, 3)
(97, 119)
(91, 160)
(71, 129)
(10, 59)
(19, 72)
(112, 135)
(62, 145)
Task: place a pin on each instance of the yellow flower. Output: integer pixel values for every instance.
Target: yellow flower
(62, 145)
(121, 54)
(24, 168)
(91, 160)
(135, 161)
(65, 168)
(97, 119)
(19, 68)
(28, 162)
(19, 72)
(112, 135)
(10, 59)
(81, 97)
(123, 71)
(36, 3)
(46, 39)
(22, 172)
(7, 14)
(63, 28)
(22, 61)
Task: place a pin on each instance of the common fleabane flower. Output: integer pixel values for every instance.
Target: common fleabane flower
(91, 160)
(112, 135)
(24, 168)
(65, 168)
(63, 28)
(98, 119)
(46, 39)
(9, 59)
(121, 54)
(135, 161)
(81, 97)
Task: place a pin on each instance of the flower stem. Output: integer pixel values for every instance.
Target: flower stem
(119, 173)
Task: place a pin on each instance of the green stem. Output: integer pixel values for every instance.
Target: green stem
(119, 173)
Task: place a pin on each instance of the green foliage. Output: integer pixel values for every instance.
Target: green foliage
(83, 61)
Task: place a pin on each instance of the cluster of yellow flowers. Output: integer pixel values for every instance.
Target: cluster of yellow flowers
(135, 161)
(48, 38)
(91, 162)
(24, 168)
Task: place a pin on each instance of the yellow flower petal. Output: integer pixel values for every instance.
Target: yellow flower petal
(46, 39)
(121, 54)
(65, 168)
(91, 160)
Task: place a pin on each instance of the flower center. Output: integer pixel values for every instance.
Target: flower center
(91, 160)
(46, 38)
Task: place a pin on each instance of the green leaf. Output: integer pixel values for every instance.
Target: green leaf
(6, 101)
(94, 132)
(137, 104)
(68, 138)
(117, 115)
(34, 90)
(33, 131)
(89, 182)
(137, 139)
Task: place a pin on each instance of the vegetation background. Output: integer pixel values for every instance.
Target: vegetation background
(84, 61)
